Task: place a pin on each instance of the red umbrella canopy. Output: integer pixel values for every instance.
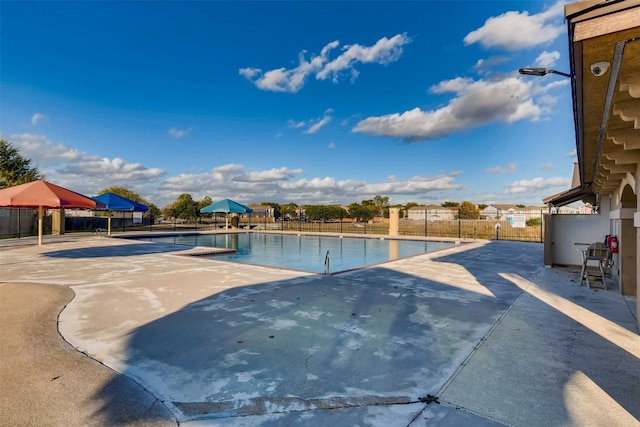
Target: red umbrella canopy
(42, 193)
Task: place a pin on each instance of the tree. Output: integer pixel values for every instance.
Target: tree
(325, 213)
(449, 204)
(468, 211)
(362, 211)
(382, 206)
(289, 210)
(15, 169)
(153, 211)
(185, 207)
(206, 201)
(482, 206)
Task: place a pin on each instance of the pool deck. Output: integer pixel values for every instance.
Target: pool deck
(480, 334)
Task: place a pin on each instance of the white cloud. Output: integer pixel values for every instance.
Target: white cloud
(280, 185)
(509, 168)
(38, 118)
(249, 73)
(483, 66)
(179, 133)
(384, 51)
(271, 175)
(295, 125)
(572, 153)
(476, 103)
(293, 80)
(88, 174)
(524, 185)
(547, 59)
(546, 166)
(42, 151)
(331, 145)
(520, 30)
(318, 125)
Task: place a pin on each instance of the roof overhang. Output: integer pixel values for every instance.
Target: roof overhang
(606, 104)
(570, 196)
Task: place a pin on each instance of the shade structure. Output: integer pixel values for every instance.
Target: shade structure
(41, 195)
(226, 206)
(114, 202)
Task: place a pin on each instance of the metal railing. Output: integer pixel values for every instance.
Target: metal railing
(504, 226)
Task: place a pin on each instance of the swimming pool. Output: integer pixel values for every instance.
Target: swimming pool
(305, 252)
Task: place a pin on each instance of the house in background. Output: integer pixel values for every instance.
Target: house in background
(503, 211)
(432, 213)
(604, 54)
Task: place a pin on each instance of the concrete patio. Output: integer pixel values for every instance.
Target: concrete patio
(479, 334)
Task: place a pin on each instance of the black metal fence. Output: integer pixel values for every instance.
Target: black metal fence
(21, 222)
(526, 226)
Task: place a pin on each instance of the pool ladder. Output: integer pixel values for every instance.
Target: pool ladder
(327, 261)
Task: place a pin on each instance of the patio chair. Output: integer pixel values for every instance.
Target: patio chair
(596, 261)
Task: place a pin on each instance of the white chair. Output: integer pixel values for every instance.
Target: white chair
(595, 263)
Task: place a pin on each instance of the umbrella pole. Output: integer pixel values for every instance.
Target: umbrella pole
(109, 224)
(39, 225)
(226, 221)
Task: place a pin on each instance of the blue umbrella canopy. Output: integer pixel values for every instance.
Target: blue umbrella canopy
(226, 206)
(113, 202)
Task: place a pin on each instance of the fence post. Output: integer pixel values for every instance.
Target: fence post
(541, 226)
(425, 221)
(459, 223)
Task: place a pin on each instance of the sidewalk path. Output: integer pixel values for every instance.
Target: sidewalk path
(46, 382)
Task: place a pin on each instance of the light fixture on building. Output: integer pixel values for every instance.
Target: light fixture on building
(541, 72)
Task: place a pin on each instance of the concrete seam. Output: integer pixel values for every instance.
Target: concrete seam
(477, 347)
(462, 408)
(637, 323)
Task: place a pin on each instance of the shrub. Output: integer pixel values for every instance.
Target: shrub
(532, 222)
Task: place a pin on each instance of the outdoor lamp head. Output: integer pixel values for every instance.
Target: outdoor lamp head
(533, 71)
(541, 72)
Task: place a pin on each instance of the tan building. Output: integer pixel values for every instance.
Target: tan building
(604, 48)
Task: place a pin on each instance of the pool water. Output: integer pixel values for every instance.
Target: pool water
(307, 253)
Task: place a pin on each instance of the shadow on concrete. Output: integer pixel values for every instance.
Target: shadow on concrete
(120, 250)
(377, 336)
(555, 333)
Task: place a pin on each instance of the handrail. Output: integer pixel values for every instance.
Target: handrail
(327, 261)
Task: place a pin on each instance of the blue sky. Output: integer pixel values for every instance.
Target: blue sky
(304, 102)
